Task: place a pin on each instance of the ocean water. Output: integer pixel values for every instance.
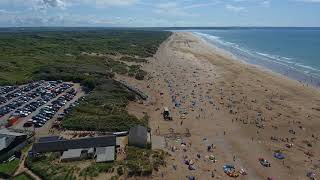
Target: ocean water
(293, 52)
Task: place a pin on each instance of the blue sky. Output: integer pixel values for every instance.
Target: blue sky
(159, 13)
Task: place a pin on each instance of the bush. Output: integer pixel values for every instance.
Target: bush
(140, 74)
(89, 84)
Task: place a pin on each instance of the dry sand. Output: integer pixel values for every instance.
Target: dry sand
(232, 105)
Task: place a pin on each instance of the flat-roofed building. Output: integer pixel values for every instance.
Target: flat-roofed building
(105, 154)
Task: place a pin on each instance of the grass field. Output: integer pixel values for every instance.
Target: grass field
(10, 167)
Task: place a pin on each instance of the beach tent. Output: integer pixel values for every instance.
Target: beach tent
(279, 155)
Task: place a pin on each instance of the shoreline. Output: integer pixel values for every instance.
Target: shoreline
(289, 72)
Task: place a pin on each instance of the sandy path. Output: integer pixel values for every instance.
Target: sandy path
(223, 99)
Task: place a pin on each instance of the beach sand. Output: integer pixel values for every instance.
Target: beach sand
(236, 107)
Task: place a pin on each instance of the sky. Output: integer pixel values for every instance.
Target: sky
(159, 13)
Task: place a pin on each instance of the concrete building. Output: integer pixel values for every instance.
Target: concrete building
(138, 136)
(105, 154)
(102, 148)
(10, 143)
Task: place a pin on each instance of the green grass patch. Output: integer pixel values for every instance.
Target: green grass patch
(96, 168)
(142, 162)
(133, 59)
(103, 110)
(47, 167)
(9, 167)
(26, 148)
(22, 176)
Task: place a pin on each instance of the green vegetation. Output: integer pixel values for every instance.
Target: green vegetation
(96, 168)
(103, 109)
(10, 167)
(22, 54)
(133, 59)
(22, 176)
(48, 168)
(72, 56)
(141, 162)
(114, 177)
(69, 56)
(26, 148)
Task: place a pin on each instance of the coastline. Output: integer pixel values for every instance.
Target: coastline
(231, 56)
(266, 61)
(244, 111)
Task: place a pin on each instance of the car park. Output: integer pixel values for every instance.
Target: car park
(22, 101)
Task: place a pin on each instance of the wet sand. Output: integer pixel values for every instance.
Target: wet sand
(243, 111)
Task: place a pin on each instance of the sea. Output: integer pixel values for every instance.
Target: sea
(293, 52)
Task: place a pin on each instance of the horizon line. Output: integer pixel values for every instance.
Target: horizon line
(160, 27)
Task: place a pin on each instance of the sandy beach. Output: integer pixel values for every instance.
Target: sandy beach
(240, 111)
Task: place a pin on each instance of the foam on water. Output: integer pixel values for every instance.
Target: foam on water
(254, 56)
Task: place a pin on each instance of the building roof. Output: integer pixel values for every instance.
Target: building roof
(48, 138)
(138, 132)
(6, 132)
(7, 137)
(105, 154)
(71, 153)
(64, 145)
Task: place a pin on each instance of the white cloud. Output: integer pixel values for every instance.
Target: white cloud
(309, 1)
(235, 8)
(3, 11)
(170, 8)
(106, 3)
(180, 9)
(54, 3)
(265, 3)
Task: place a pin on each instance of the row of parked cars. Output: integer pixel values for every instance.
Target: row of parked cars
(21, 96)
(22, 90)
(8, 93)
(6, 89)
(47, 112)
(34, 94)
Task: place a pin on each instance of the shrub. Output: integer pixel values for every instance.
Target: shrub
(140, 74)
(120, 171)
